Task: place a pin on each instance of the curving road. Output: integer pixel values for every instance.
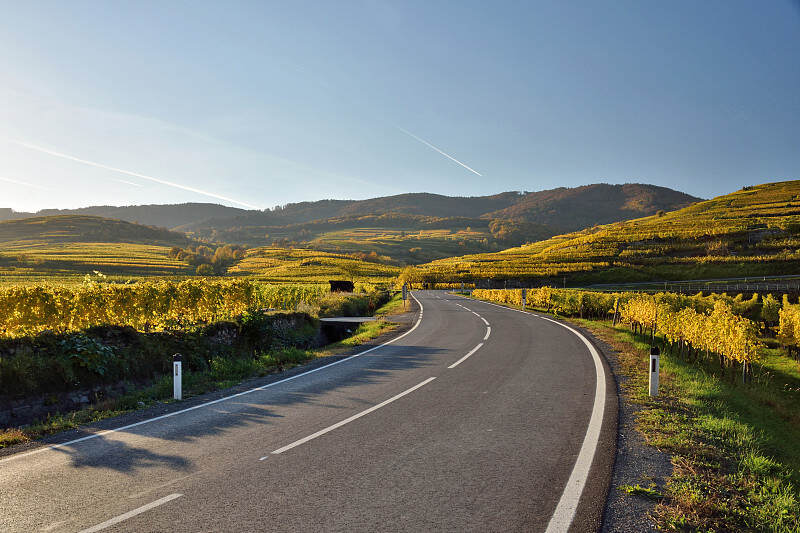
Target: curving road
(479, 418)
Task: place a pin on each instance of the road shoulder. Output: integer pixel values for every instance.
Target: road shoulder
(634, 462)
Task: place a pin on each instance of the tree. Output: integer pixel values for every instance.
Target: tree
(409, 275)
(205, 270)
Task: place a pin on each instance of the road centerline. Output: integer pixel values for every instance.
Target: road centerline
(472, 351)
(351, 418)
(130, 514)
(564, 514)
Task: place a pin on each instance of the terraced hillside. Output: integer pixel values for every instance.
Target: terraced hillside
(754, 231)
(64, 249)
(287, 265)
(405, 238)
(70, 246)
(411, 228)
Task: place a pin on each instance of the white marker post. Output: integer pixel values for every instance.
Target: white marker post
(405, 294)
(654, 364)
(177, 378)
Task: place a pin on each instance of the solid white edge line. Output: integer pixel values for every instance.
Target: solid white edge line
(130, 514)
(568, 503)
(350, 419)
(472, 351)
(488, 332)
(206, 404)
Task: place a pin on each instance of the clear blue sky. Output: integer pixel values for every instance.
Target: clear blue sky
(268, 103)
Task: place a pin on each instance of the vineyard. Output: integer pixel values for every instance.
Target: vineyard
(729, 328)
(754, 231)
(29, 263)
(290, 265)
(145, 306)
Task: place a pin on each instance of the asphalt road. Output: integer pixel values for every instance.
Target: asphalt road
(423, 434)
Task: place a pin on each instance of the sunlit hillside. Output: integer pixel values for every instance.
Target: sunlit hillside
(310, 266)
(754, 231)
(66, 248)
(404, 238)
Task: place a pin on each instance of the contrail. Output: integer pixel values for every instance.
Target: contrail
(127, 182)
(429, 145)
(23, 183)
(134, 174)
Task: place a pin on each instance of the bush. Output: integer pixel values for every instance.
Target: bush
(205, 270)
(348, 304)
(105, 355)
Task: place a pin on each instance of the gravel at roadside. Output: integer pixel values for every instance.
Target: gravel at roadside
(635, 463)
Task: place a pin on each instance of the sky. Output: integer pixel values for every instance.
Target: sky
(257, 104)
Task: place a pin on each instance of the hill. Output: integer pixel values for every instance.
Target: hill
(571, 209)
(287, 265)
(63, 249)
(405, 238)
(79, 228)
(409, 228)
(560, 208)
(563, 208)
(71, 246)
(754, 231)
(420, 227)
(165, 216)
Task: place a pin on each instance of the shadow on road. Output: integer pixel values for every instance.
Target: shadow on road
(257, 408)
(116, 455)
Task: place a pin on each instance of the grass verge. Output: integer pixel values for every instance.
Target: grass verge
(394, 306)
(733, 447)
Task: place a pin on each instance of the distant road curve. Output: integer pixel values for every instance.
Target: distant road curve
(479, 418)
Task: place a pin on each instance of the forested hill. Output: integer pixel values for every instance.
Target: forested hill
(571, 209)
(563, 208)
(165, 216)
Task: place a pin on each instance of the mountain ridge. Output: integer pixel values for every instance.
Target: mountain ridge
(562, 208)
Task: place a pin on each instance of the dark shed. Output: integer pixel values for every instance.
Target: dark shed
(341, 286)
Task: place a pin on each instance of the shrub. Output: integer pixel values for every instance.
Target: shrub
(205, 270)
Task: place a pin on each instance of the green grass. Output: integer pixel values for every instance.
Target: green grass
(733, 447)
(650, 492)
(394, 306)
(65, 248)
